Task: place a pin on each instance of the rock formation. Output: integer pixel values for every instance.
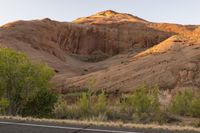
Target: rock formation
(120, 51)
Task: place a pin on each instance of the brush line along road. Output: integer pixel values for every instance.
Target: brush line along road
(19, 127)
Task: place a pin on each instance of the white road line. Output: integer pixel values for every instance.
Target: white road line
(62, 127)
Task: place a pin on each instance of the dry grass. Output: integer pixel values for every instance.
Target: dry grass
(101, 123)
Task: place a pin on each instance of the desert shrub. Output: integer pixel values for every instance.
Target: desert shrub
(127, 106)
(41, 104)
(186, 103)
(63, 110)
(84, 105)
(91, 104)
(3, 106)
(60, 108)
(100, 106)
(181, 102)
(142, 101)
(88, 106)
(195, 107)
(116, 112)
(197, 124)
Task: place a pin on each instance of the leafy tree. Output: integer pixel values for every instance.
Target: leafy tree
(20, 79)
(3, 106)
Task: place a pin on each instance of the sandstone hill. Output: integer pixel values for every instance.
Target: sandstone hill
(119, 51)
(109, 17)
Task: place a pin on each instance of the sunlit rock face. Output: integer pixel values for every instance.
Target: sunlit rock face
(109, 17)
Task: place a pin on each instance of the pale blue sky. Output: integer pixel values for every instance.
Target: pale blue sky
(174, 11)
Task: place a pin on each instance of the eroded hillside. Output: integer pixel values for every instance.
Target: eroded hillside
(119, 51)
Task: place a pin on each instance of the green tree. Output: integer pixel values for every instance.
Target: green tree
(20, 79)
(3, 106)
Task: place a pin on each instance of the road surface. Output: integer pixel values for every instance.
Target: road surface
(24, 127)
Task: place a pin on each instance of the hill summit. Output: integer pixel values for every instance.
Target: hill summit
(108, 16)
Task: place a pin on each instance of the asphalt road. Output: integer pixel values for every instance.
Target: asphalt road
(23, 127)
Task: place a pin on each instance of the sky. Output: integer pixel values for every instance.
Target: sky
(172, 11)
